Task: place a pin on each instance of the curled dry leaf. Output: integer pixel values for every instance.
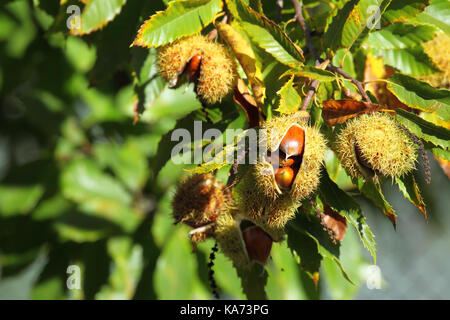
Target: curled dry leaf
(243, 98)
(336, 112)
(335, 222)
(374, 71)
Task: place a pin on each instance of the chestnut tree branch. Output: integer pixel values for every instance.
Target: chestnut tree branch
(301, 20)
(357, 83)
(314, 84)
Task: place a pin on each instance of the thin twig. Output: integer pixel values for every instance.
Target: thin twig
(357, 83)
(301, 20)
(299, 15)
(312, 90)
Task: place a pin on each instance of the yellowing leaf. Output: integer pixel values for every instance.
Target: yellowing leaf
(410, 190)
(246, 57)
(289, 98)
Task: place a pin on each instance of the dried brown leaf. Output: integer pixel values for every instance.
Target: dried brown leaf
(336, 112)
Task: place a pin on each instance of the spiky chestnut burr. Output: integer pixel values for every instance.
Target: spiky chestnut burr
(375, 144)
(207, 63)
(198, 200)
(242, 241)
(273, 188)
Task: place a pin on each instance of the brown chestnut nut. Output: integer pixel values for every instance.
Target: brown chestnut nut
(284, 177)
(258, 244)
(293, 141)
(193, 66)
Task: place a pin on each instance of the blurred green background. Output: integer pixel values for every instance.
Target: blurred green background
(80, 184)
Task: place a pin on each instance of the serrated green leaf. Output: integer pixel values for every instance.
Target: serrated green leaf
(225, 156)
(373, 192)
(439, 136)
(403, 11)
(281, 46)
(309, 225)
(306, 249)
(264, 39)
(253, 281)
(341, 202)
(399, 36)
(420, 95)
(437, 14)
(181, 18)
(215, 164)
(412, 59)
(408, 186)
(97, 13)
(353, 22)
(289, 98)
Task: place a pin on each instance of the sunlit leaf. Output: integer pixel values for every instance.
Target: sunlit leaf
(311, 226)
(269, 35)
(181, 18)
(246, 57)
(402, 11)
(289, 98)
(312, 73)
(353, 22)
(97, 13)
(439, 136)
(437, 14)
(420, 95)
